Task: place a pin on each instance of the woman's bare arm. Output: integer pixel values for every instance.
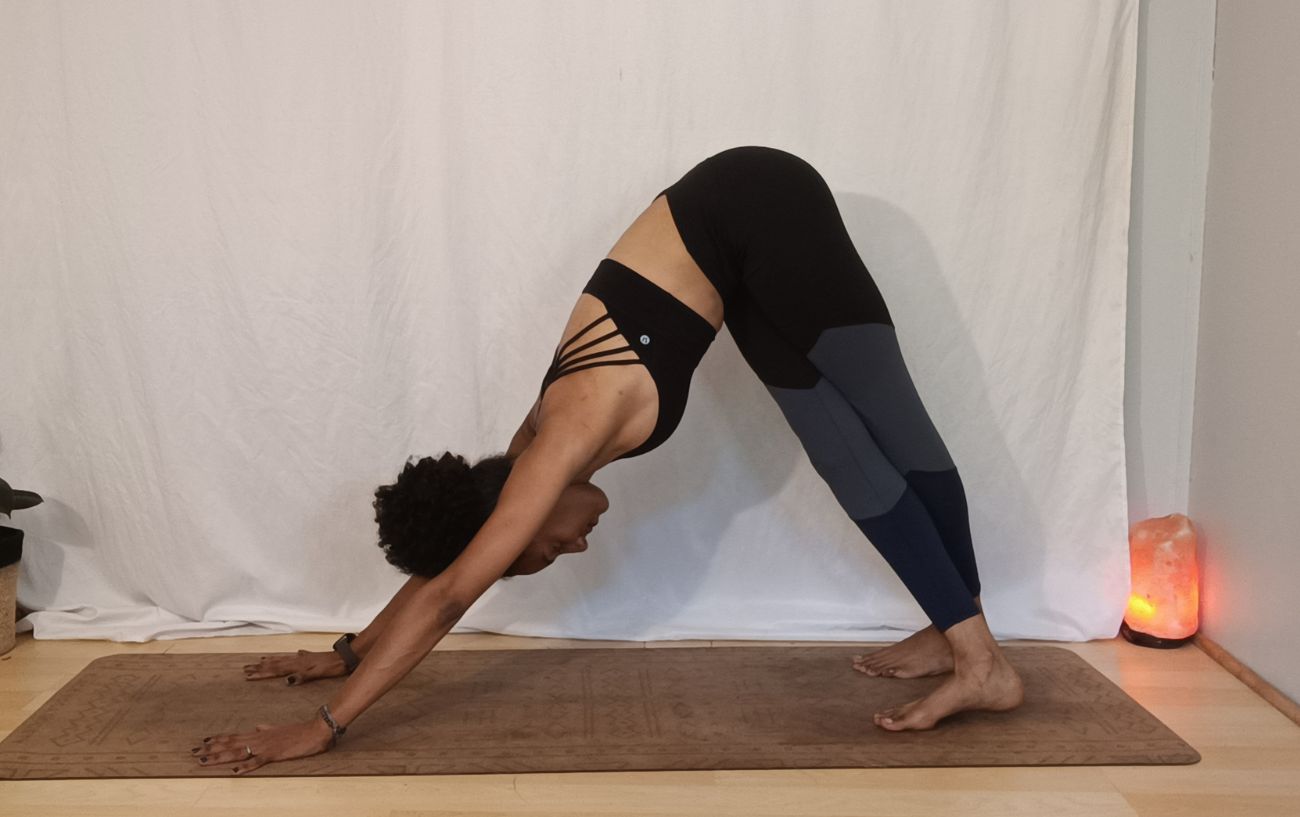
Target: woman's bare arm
(366, 638)
(539, 476)
(309, 666)
(525, 435)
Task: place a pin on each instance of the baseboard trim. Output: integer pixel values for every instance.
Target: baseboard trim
(1247, 676)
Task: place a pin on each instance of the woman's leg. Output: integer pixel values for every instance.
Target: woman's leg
(810, 321)
(804, 282)
(844, 451)
(883, 504)
(866, 364)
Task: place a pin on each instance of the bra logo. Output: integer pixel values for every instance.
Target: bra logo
(645, 339)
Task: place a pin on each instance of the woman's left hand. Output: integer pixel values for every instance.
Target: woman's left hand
(268, 744)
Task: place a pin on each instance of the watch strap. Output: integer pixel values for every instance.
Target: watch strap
(344, 648)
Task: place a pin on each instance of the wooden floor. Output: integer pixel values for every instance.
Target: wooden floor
(1250, 765)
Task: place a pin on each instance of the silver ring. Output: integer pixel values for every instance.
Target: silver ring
(248, 749)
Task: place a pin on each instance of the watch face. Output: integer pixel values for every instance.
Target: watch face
(344, 648)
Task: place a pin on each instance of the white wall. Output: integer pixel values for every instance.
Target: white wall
(197, 339)
(1212, 391)
(1245, 464)
(1171, 136)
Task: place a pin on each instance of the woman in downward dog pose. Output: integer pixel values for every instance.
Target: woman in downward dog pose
(750, 237)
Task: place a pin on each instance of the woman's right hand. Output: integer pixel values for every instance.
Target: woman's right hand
(301, 668)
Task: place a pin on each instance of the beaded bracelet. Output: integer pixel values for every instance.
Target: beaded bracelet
(333, 724)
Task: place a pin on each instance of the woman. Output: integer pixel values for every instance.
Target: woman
(751, 237)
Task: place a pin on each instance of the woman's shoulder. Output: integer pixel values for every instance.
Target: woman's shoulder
(616, 405)
(612, 408)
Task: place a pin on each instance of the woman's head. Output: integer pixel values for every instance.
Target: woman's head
(576, 512)
(427, 517)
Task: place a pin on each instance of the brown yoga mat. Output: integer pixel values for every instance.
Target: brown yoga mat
(547, 710)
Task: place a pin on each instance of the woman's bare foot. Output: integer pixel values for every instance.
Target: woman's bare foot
(993, 686)
(921, 653)
(982, 679)
(926, 652)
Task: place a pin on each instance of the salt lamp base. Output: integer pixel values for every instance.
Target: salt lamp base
(1147, 640)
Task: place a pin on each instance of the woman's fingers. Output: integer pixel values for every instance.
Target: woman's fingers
(294, 674)
(272, 667)
(300, 668)
(302, 676)
(223, 749)
(219, 756)
(257, 671)
(310, 670)
(254, 762)
(266, 744)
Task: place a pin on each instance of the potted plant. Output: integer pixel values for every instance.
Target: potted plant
(11, 550)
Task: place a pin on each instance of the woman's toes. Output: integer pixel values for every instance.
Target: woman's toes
(870, 664)
(898, 717)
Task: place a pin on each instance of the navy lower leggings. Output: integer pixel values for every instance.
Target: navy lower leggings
(810, 321)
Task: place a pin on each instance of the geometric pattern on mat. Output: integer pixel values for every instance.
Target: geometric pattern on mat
(547, 710)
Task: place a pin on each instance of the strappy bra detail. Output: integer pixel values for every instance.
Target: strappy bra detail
(670, 339)
(561, 364)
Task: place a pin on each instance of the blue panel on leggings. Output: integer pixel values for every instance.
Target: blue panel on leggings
(840, 449)
(864, 362)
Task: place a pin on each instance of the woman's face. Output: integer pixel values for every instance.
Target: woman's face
(565, 530)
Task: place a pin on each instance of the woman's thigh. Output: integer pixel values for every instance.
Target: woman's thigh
(838, 443)
(796, 260)
(806, 307)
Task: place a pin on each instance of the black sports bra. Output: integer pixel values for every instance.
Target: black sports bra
(668, 337)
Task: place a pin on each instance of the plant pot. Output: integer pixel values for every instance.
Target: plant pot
(11, 552)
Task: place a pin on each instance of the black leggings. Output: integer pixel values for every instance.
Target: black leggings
(810, 321)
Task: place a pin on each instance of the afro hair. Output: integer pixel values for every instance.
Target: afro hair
(429, 515)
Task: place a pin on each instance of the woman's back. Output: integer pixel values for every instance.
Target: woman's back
(653, 250)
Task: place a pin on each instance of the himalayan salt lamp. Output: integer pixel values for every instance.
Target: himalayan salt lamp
(1162, 607)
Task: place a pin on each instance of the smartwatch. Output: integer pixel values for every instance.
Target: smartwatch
(344, 648)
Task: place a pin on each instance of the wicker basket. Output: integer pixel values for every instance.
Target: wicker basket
(8, 605)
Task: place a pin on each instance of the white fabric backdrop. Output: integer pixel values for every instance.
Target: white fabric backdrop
(256, 254)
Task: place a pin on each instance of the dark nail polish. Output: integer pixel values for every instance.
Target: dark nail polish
(195, 750)
(207, 740)
(203, 759)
